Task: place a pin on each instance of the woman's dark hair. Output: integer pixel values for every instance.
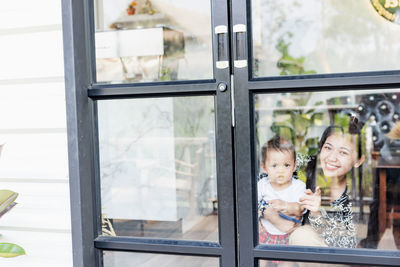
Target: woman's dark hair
(312, 164)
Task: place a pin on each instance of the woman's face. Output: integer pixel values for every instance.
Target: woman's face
(338, 156)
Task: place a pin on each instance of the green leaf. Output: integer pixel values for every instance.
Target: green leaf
(8, 250)
(317, 116)
(301, 124)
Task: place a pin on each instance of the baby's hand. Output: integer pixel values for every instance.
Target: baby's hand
(278, 204)
(270, 212)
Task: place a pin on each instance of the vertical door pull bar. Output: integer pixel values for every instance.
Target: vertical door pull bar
(233, 100)
(239, 31)
(222, 52)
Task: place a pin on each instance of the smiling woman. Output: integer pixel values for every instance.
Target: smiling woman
(338, 155)
(346, 156)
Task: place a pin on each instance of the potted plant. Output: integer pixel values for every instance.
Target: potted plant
(7, 202)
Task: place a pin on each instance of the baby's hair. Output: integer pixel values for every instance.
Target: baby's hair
(278, 144)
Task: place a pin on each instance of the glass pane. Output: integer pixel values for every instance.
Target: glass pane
(348, 157)
(157, 167)
(125, 259)
(329, 36)
(153, 40)
(266, 263)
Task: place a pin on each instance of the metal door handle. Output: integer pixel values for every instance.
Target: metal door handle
(239, 31)
(222, 50)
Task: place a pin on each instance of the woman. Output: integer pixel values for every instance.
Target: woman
(337, 155)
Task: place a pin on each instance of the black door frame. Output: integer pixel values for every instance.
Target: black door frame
(82, 93)
(245, 88)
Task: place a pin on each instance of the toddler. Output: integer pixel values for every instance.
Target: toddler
(278, 192)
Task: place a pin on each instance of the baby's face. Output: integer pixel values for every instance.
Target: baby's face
(280, 166)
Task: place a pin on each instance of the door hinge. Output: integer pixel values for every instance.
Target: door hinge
(233, 100)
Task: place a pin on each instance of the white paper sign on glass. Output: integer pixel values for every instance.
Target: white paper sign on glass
(129, 43)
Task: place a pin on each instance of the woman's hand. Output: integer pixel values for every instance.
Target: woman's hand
(312, 201)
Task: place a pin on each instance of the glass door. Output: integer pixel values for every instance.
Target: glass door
(165, 147)
(155, 99)
(316, 92)
(177, 108)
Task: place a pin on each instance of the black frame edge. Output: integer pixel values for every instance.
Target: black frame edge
(151, 91)
(78, 75)
(164, 246)
(329, 255)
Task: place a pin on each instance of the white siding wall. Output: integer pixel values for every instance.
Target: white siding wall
(33, 127)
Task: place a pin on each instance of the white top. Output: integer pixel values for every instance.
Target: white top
(289, 194)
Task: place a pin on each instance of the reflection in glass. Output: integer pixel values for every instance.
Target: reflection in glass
(153, 40)
(318, 37)
(127, 259)
(157, 168)
(360, 204)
